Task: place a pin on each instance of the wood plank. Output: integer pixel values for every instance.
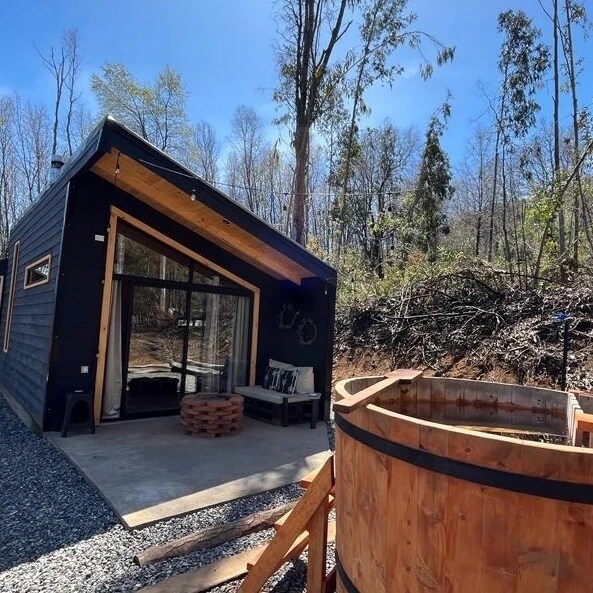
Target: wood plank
(364, 397)
(316, 559)
(105, 316)
(212, 536)
(294, 526)
(575, 541)
(465, 541)
(402, 518)
(207, 576)
(405, 375)
(331, 503)
(433, 490)
(537, 561)
(308, 479)
(298, 547)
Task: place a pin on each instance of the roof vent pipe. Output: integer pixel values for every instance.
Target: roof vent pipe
(56, 163)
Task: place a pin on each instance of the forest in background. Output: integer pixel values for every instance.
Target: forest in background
(383, 204)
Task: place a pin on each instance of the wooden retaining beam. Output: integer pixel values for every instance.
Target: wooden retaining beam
(212, 536)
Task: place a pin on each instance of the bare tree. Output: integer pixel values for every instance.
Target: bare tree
(8, 173)
(475, 182)
(71, 45)
(246, 160)
(33, 140)
(55, 63)
(207, 149)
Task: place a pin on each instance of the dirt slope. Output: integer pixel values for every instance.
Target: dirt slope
(472, 324)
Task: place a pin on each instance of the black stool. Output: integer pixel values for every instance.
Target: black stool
(74, 399)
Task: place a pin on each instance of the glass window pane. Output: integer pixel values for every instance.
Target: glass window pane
(218, 341)
(156, 350)
(204, 275)
(140, 255)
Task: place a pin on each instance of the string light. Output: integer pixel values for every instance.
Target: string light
(193, 195)
(117, 169)
(325, 194)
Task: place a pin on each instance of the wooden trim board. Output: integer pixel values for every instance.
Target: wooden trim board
(105, 316)
(160, 194)
(11, 293)
(208, 576)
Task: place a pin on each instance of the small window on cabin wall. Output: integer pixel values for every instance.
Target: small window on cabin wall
(37, 273)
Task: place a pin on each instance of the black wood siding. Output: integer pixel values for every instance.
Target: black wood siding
(81, 291)
(24, 368)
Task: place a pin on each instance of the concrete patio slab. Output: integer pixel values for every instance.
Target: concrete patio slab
(147, 470)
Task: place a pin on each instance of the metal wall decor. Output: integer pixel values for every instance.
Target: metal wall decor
(288, 316)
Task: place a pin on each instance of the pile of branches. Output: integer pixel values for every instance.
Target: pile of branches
(480, 317)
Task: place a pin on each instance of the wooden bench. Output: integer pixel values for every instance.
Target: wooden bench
(279, 408)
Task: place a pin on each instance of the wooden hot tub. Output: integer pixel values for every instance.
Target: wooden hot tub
(431, 498)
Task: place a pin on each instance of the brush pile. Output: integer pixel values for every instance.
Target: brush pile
(478, 319)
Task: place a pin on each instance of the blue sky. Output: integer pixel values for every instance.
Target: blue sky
(224, 51)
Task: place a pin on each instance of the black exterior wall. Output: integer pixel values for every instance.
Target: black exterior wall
(82, 270)
(25, 366)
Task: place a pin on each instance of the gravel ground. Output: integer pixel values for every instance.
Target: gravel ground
(57, 535)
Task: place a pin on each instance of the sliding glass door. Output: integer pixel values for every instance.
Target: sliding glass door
(177, 327)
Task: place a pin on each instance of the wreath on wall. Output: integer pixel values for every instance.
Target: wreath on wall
(288, 316)
(307, 331)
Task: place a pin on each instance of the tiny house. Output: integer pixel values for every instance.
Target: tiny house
(133, 279)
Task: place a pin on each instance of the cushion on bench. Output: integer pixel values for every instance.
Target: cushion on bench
(267, 395)
(305, 381)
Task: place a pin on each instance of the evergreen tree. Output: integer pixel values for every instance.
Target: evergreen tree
(433, 188)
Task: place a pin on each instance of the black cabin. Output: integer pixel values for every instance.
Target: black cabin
(134, 280)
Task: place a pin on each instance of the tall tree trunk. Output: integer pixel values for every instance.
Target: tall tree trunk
(507, 246)
(578, 197)
(300, 184)
(561, 222)
(480, 205)
(494, 190)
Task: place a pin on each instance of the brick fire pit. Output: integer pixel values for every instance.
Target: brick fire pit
(211, 415)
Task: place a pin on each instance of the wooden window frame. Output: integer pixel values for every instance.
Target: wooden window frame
(14, 270)
(35, 264)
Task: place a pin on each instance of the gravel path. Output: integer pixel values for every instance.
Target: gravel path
(57, 535)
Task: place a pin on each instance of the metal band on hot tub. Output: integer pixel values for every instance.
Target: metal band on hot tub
(495, 478)
(344, 578)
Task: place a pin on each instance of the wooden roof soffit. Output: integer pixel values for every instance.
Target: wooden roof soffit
(165, 197)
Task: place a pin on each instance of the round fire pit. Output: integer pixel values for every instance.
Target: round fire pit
(211, 415)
